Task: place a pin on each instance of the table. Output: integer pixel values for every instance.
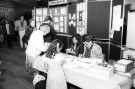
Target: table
(85, 79)
(81, 78)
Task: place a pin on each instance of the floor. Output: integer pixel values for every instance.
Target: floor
(13, 65)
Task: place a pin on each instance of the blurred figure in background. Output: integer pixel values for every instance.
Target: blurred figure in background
(16, 28)
(28, 32)
(3, 33)
(8, 34)
(22, 27)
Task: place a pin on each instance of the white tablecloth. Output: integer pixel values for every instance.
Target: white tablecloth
(82, 78)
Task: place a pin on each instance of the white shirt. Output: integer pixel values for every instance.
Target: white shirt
(96, 51)
(36, 44)
(7, 28)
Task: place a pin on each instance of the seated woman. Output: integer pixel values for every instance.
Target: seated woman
(75, 48)
(91, 49)
(52, 62)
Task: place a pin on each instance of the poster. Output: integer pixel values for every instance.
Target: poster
(72, 18)
(131, 30)
(39, 11)
(81, 18)
(117, 20)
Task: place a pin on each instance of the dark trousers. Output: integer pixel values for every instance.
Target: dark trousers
(41, 85)
(9, 41)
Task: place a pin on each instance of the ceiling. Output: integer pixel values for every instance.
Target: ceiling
(30, 3)
(18, 3)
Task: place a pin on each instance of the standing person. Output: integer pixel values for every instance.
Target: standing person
(22, 28)
(28, 32)
(8, 31)
(16, 27)
(52, 34)
(91, 49)
(54, 59)
(36, 44)
(75, 48)
(3, 31)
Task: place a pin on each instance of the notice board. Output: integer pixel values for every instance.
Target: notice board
(98, 21)
(131, 30)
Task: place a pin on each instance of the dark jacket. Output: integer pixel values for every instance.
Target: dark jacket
(78, 50)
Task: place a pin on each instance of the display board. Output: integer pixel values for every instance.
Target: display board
(41, 13)
(72, 19)
(131, 30)
(81, 18)
(117, 21)
(7, 12)
(59, 15)
(98, 21)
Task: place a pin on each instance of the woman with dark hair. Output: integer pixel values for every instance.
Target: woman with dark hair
(55, 77)
(75, 48)
(54, 61)
(54, 48)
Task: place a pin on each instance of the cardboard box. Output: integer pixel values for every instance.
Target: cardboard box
(124, 65)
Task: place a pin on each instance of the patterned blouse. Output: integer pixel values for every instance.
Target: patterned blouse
(95, 51)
